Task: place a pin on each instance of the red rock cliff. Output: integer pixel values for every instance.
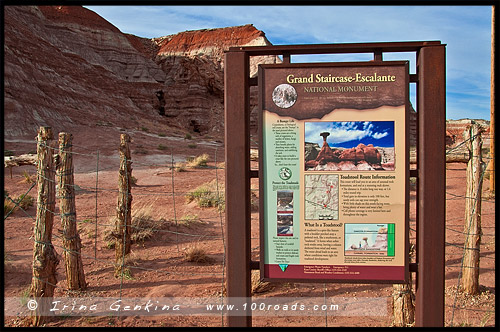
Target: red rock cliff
(69, 68)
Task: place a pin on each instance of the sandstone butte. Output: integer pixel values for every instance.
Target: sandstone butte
(359, 157)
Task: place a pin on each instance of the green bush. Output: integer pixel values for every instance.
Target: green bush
(207, 195)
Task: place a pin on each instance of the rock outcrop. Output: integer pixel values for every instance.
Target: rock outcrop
(68, 68)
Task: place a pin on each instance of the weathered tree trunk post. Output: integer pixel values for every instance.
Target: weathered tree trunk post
(123, 210)
(75, 275)
(403, 305)
(403, 302)
(45, 259)
(472, 229)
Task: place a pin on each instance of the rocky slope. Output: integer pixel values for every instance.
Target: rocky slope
(68, 68)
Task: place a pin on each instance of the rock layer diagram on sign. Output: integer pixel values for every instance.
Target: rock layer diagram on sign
(321, 197)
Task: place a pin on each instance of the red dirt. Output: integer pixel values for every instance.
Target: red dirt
(159, 268)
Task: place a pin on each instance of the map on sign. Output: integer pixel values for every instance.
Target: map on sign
(321, 197)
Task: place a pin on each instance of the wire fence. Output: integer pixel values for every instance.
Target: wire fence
(171, 229)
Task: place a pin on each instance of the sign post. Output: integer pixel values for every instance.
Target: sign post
(237, 116)
(297, 180)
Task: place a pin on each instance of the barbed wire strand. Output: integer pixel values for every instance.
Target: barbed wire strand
(173, 198)
(223, 239)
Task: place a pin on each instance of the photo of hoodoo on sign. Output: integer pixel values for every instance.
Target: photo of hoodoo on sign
(334, 165)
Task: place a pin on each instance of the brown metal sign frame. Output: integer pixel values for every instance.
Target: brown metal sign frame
(262, 193)
(430, 173)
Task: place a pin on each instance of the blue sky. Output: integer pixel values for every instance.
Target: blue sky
(350, 134)
(466, 30)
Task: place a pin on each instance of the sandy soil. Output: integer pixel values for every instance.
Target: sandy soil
(158, 265)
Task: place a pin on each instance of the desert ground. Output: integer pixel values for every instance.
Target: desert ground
(160, 266)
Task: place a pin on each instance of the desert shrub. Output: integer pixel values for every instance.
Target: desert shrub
(140, 149)
(143, 224)
(162, 134)
(162, 147)
(180, 167)
(8, 153)
(192, 145)
(24, 295)
(208, 195)
(28, 178)
(259, 286)
(188, 136)
(127, 274)
(197, 255)
(6, 257)
(189, 220)
(200, 161)
(143, 227)
(8, 206)
(25, 201)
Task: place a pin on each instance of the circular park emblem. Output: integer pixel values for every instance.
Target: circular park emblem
(285, 173)
(284, 96)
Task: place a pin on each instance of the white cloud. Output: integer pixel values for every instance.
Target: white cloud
(379, 135)
(340, 132)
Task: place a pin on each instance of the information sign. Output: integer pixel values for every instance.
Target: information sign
(334, 171)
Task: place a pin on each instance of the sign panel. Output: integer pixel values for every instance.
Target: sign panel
(334, 170)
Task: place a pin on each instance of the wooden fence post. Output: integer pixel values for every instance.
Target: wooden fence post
(403, 302)
(45, 259)
(472, 229)
(123, 210)
(75, 275)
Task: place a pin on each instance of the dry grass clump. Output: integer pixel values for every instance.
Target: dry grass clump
(143, 226)
(180, 167)
(259, 286)
(8, 206)
(189, 220)
(196, 254)
(23, 202)
(200, 161)
(29, 179)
